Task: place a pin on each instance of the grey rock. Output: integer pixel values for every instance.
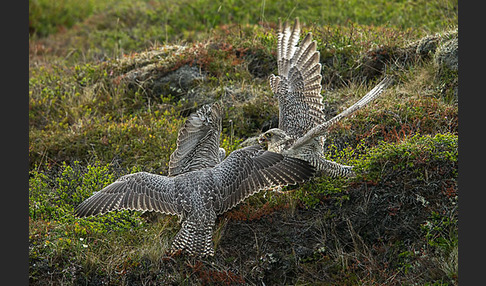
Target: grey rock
(446, 55)
(427, 45)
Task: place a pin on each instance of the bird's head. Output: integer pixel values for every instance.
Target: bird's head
(276, 139)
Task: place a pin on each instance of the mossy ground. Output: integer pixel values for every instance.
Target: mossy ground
(102, 103)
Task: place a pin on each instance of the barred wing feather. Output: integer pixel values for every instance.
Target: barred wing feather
(298, 83)
(198, 141)
(139, 191)
(258, 170)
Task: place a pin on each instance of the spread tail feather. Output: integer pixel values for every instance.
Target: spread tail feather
(195, 236)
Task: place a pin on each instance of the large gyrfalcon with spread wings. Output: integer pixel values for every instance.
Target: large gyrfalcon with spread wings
(202, 191)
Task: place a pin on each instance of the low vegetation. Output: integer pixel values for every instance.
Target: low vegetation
(110, 84)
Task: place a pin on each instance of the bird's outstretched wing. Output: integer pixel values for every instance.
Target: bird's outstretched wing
(249, 170)
(198, 141)
(298, 83)
(370, 96)
(139, 191)
(321, 129)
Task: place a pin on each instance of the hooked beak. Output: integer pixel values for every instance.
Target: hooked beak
(262, 140)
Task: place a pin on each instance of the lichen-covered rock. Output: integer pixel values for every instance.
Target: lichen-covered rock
(165, 70)
(446, 55)
(427, 45)
(178, 81)
(446, 58)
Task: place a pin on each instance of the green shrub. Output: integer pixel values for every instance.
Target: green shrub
(54, 194)
(424, 156)
(321, 189)
(58, 239)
